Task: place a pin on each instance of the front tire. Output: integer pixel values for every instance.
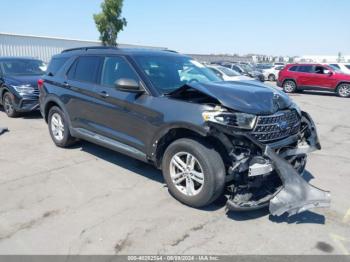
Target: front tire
(194, 172)
(59, 128)
(289, 86)
(343, 90)
(8, 104)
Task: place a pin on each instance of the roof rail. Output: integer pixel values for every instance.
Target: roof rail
(88, 48)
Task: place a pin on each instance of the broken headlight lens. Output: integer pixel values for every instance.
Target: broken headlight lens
(238, 120)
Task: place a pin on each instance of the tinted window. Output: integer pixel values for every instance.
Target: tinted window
(55, 65)
(293, 68)
(115, 68)
(320, 70)
(85, 69)
(348, 66)
(305, 69)
(335, 65)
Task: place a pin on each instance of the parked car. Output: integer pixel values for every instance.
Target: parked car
(205, 135)
(297, 77)
(18, 84)
(271, 73)
(345, 68)
(245, 69)
(227, 74)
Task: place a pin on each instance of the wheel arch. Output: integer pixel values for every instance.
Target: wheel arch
(173, 133)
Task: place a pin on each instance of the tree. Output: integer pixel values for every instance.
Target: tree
(109, 22)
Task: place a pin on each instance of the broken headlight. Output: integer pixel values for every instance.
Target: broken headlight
(238, 120)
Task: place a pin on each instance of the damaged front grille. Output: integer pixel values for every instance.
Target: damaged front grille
(278, 126)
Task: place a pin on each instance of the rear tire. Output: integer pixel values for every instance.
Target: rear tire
(59, 128)
(272, 78)
(289, 86)
(343, 90)
(198, 162)
(8, 104)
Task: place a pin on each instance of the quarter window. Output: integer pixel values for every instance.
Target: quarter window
(55, 65)
(293, 68)
(115, 68)
(85, 69)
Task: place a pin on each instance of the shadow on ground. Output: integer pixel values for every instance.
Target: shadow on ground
(150, 172)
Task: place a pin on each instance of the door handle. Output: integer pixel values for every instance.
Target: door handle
(104, 94)
(66, 85)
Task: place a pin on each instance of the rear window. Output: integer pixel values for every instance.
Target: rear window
(55, 65)
(85, 69)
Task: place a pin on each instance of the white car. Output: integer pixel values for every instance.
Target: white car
(228, 74)
(345, 68)
(271, 73)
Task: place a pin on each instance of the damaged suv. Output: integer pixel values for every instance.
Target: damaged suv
(245, 140)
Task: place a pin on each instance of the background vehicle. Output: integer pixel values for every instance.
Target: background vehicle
(227, 74)
(205, 134)
(345, 68)
(18, 84)
(296, 77)
(245, 69)
(271, 73)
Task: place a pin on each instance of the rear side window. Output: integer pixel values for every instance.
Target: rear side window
(85, 69)
(293, 68)
(55, 65)
(305, 69)
(115, 68)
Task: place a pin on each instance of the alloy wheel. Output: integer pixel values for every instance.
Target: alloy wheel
(57, 126)
(8, 106)
(289, 87)
(344, 90)
(186, 173)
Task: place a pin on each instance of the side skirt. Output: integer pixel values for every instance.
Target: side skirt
(108, 143)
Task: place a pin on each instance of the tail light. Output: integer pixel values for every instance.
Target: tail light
(40, 83)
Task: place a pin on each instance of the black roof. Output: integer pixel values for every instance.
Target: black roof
(115, 50)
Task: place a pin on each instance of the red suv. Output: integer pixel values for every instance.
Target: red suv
(297, 77)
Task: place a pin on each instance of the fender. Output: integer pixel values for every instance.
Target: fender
(162, 131)
(55, 99)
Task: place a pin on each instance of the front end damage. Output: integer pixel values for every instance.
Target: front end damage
(270, 174)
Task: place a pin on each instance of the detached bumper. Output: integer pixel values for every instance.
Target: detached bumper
(295, 195)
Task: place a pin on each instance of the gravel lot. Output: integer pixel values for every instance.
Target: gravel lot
(90, 200)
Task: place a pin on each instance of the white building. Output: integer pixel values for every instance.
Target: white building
(322, 59)
(45, 47)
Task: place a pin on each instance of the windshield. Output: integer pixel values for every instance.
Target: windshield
(168, 73)
(23, 67)
(228, 71)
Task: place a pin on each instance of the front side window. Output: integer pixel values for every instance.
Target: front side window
(115, 68)
(320, 70)
(85, 69)
(168, 73)
(23, 67)
(335, 66)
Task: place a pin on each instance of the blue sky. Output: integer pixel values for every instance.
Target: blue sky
(274, 27)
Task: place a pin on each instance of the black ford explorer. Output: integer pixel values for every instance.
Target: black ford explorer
(19, 84)
(248, 141)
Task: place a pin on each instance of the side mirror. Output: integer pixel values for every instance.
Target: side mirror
(328, 72)
(128, 85)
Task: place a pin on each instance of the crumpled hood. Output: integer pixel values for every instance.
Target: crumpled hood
(22, 80)
(243, 96)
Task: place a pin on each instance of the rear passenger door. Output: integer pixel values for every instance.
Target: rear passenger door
(82, 91)
(304, 75)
